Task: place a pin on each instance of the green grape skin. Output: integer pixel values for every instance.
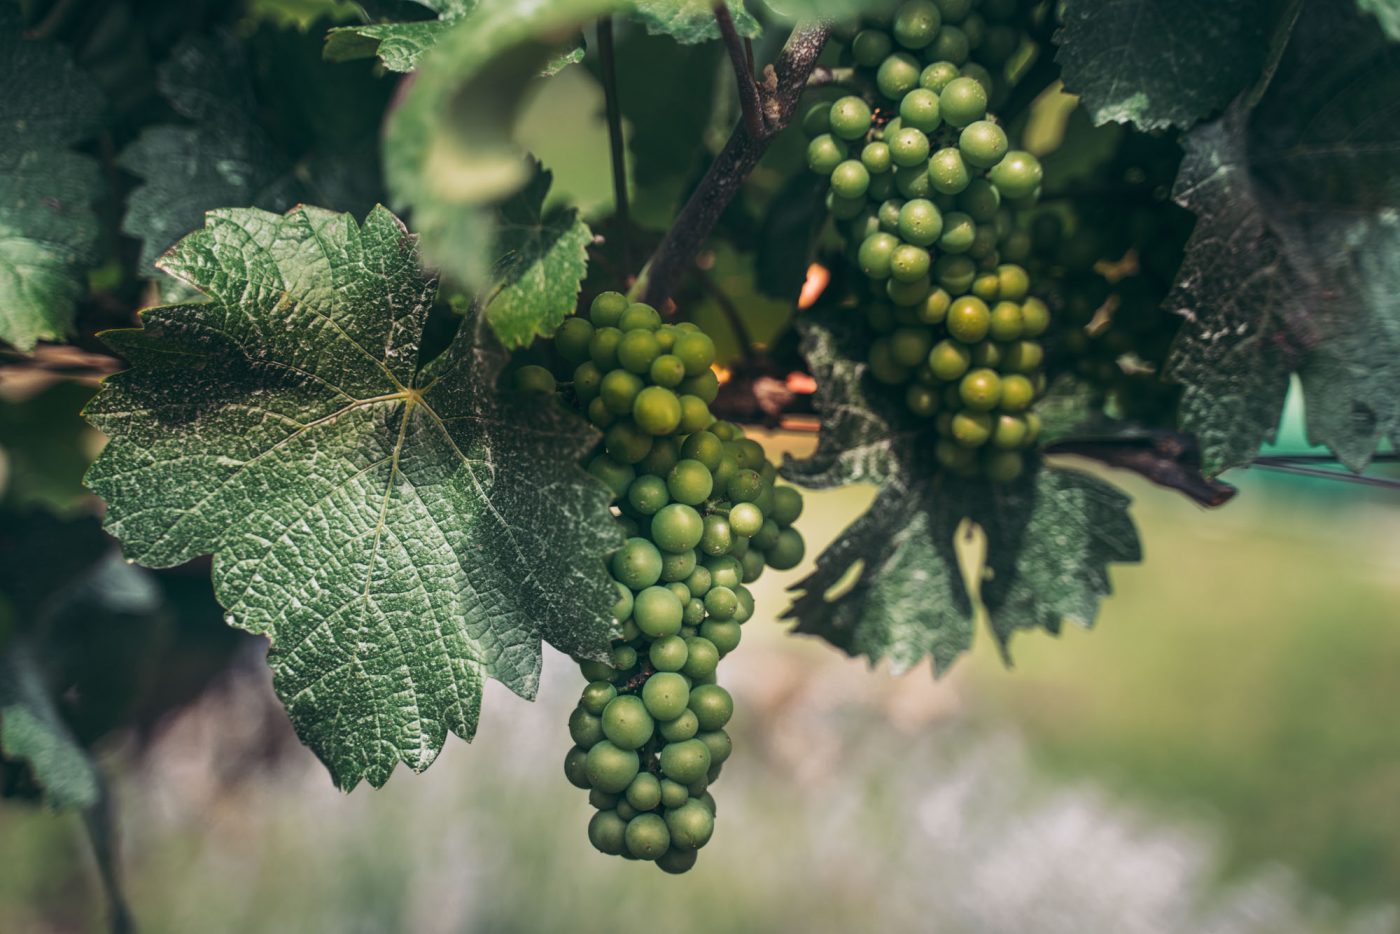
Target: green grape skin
(765, 538)
(1035, 317)
(585, 728)
(935, 307)
(913, 181)
(888, 214)
(1017, 175)
(644, 793)
(1010, 432)
(648, 494)
(955, 273)
(657, 612)
(572, 338)
(611, 768)
(599, 414)
(601, 800)
(625, 810)
(908, 148)
(909, 263)
(787, 552)
(875, 254)
(1017, 393)
(876, 158)
(958, 232)
(647, 836)
(639, 315)
(980, 201)
(661, 458)
(678, 565)
(704, 387)
(626, 442)
(955, 11)
(749, 454)
(963, 101)
(717, 538)
(744, 486)
(667, 370)
(719, 744)
(602, 347)
(721, 603)
(870, 47)
(623, 657)
(626, 724)
(694, 612)
(677, 527)
(850, 118)
(534, 378)
(910, 346)
(968, 319)
(986, 286)
(596, 695)
(787, 505)
(607, 308)
(697, 352)
(817, 120)
(689, 482)
(684, 762)
(622, 606)
(1004, 466)
(712, 706)
(745, 605)
(588, 380)
(673, 794)
(607, 832)
(1013, 283)
(724, 634)
(936, 76)
(986, 354)
(597, 671)
(950, 45)
(844, 209)
(745, 518)
(1005, 323)
(920, 222)
(705, 448)
(667, 653)
(656, 410)
(637, 564)
(947, 172)
(637, 350)
(916, 23)
(1023, 357)
(691, 825)
(980, 390)
(971, 429)
(665, 695)
(701, 659)
(897, 75)
(921, 400)
(681, 728)
(676, 861)
(920, 110)
(699, 581)
(825, 153)
(575, 767)
(850, 179)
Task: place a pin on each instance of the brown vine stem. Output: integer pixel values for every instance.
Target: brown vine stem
(743, 70)
(733, 164)
(616, 146)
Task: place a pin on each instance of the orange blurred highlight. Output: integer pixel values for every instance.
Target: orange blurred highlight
(722, 373)
(801, 384)
(818, 277)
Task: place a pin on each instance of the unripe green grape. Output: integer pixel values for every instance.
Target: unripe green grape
(690, 482)
(897, 75)
(1010, 432)
(968, 319)
(980, 200)
(910, 347)
(1014, 282)
(587, 381)
(597, 671)
(920, 110)
(685, 762)
(750, 454)
(888, 215)
(975, 28)
(908, 148)
(681, 728)
(921, 400)
(694, 613)
(986, 354)
(745, 518)
(913, 181)
(637, 350)
(717, 538)
(712, 706)
(745, 612)
(586, 729)
(1005, 321)
(959, 231)
(1017, 175)
(601, 800)
(720, 602)
(607, 832)
(947, 172)
(909, 263)
(1023, 357)
(627, 443)
(787, 552)
(1004, 466)
(764, 499)
(1035, 317)
(677, 527)
(920, 222)
(626, 723)
(644, 793)
(850, 179)
(599, 414)
(936, 76)
(744, 486)
(724, 634)
(534, 378)
(724, 571)
(825, 153)
(619, 390)
(875, 253)
(699, 582)
(850, 118)
(637, 564)
(986, 286)
(648, 494)
(817, 120)
(609, 767)
(876, 158)
(602, 348)
(705, 448)
(934, 308)
(665, 695)
(607, 308)
(704, 387)
(667, 653)
(719, 744)
(677, 565)
(908, 294)
(955, 11)
(787, 506)
(691, 825)
(962, 102)
(971, 429)
(955, 273)
(870, 46)
(677, 861)
(697, 352)
(664, 454)
(702, 656)
(656, 410)
(596, 695)
(647, 837)
(657, 611)
(622, 606)
(1017, 393)
(950, 45)
(673, 794)
(844, 209)
(639, 315)
(980, 390)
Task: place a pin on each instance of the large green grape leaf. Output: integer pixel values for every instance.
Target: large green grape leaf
(398, 45)
(48, 228)
(1294, 265)
(1157, 63)
(891, 586)
(223, 155)
(401, 532)
(690, 21)
(543, 260)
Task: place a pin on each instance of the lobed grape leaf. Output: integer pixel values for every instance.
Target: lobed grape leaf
(448, 150)
(398, 45)
(690, 21)
(401, 531)
(48, 227)
(1292, 266)
(891, 586)
(224, 156)
(543, 261)
(1157, 63)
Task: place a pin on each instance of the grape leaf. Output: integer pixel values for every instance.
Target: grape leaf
(1386, 12)
(398, 45)
(544, 259)
(400, 531)
(891, 586)
(31, 731)
(1158, 64)
(1296, 199)
(690, 21)
(448, 150)
(48, 228)
(224, 156)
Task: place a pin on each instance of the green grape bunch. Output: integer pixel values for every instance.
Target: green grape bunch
(924, 200)
(703, 517)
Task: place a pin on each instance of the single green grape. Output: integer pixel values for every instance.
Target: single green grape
(897, 75)
(920, 222)
(609, 767)
(1017, 393)
(1023, 356)
(817, 120)
(690, 482)
(607, 308)
(685, 762)
(697, 352)
(677, 527)
(968, 319)
(656, 410)
(876, 158)
(908, 148)
(602, 347)
(850, 118)
(701, 659)
(585, 729)
(596, 695)
(875, 254)
(934, 308)
(979, 389)
(909, 263)
(947, 172)
(607, 832)
(627, 443)
(1035, 317)
(850, 179)
(667, 653)
(745, 518)
(719, 744)
(1013, 282)
(712, 706)
(637, 350)
(648, 494)
(717, 537)
(787, 505)
(920, 110)
(916, 23)
(725, 634)
(644, 793)
(825, 153)
(677, 861)
(1017, 175)
(787, 552)
(870, 46)
(704, 387)
(681, 728)
(950, 45)
(913, 181)
(637, 563)
(1010, 431)
(936, 76)
(1004, 466)
(921, 400)
(665, 694)
(963, 101)
(955, 273)
(691, 825)
(1006, 324)
(647, 836)
(619, 390)
(639, 315)
(980, 200)
(971, 429)
(959, 231)
(626, 723)
(587, 381)
(657, 611)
